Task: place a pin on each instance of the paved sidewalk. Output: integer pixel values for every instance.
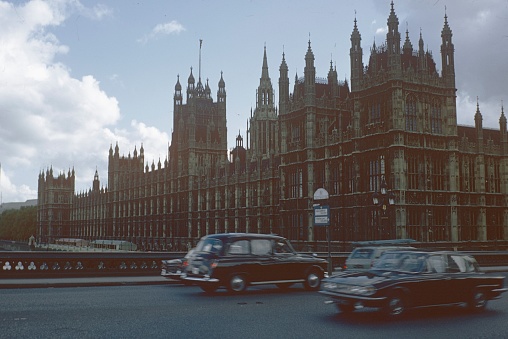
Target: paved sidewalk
(83, 282)
(121, 281)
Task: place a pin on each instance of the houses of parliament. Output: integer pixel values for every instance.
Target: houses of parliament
(389, 133)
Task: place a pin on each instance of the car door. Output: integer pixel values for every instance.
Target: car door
(287, 265)
(460, 279)
(237, 260)
(431, 286)
(263, 266)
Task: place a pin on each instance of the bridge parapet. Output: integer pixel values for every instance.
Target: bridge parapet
(78, 264)
(34, 264)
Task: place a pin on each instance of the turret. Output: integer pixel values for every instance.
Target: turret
(310, 78)
(221, 92)
(393, 41)
(178, 93)
(504, 136)
(190, 86)
(447, 54)
(355, 54)
(283, 86)
(478, 122)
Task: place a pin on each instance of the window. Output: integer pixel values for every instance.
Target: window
(261, 246)
(435, 119)
(436, 264)
(239, 247)
(411, 114)
(438, 174)
(375, 113)
(412, 172)
(282, 246)
(376, 168)
(296, 184)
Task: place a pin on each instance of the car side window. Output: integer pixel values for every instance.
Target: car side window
(456, 264)
(281, 247)
(261, 246)
(239, 247)
(436, 264)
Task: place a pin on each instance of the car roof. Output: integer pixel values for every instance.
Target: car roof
(420, 251)
(243, 235)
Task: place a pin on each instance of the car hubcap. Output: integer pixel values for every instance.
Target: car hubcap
(313, 280)
(479, 300)
(237, 284)
(396, 306)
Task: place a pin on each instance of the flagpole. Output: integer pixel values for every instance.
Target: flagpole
(200, 44)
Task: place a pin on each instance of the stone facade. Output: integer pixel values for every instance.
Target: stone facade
(393, 128)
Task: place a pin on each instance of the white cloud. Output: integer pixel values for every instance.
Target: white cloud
(173, 27)
(49, 118)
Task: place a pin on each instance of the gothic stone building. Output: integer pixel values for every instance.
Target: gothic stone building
(392, 129)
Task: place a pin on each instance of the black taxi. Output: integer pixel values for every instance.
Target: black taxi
(238, 260)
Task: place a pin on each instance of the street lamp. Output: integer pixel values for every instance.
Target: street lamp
(383, 199)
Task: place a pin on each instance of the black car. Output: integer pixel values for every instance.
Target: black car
(410, 279)
(237, 260)
(173, 268)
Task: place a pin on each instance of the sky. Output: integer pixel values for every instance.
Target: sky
(77, 77)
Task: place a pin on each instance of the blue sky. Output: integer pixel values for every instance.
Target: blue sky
(79, 76)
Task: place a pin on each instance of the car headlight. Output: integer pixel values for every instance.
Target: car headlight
(362, 290)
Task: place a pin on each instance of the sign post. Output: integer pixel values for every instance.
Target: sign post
(322, 218)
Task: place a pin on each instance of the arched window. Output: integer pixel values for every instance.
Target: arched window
(375, 113)
(435, 119)
(410, 113)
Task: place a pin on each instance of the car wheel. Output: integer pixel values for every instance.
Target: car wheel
(312, 281)
(395, 305)
(209, 288)
(237, 283)
(346, 308)
(478, 300)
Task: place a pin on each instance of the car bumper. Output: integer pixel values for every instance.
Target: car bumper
(357, 300)
(171, 275)
(200, 280)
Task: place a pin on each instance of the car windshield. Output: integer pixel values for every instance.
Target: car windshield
(362, 253)
(210, 245)
(283, 246)
(400, 261)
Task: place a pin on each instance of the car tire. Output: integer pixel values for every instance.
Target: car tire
(395, 305)
(312, 280)
(237, 283)
(209, 288)
(478, 300)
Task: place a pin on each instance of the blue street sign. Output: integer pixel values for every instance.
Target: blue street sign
(321, 215)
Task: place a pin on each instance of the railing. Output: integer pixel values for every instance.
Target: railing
(75, 264)
(82, 264)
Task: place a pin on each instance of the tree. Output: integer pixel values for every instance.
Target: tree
(18, 225)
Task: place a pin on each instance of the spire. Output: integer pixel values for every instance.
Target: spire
(265, 90)
(393, 39)
(447, 53)
(191, 80)
(310, 77)
(502, 120)
(264, 72)
(178, 87)
(355, 55)
(283, 84)
(408, 47)
(221, 92)
(478, 116)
